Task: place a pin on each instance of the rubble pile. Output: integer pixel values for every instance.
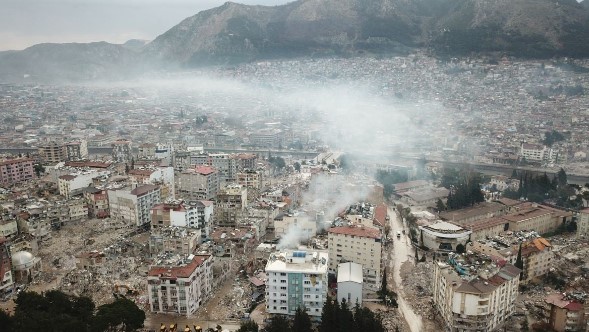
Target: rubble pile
(417, 287)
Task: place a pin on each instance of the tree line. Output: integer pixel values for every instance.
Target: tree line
(336, 317)
(57, 311)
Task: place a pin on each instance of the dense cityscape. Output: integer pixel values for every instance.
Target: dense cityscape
(423, 194)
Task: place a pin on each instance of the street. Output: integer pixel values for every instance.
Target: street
(402, 252)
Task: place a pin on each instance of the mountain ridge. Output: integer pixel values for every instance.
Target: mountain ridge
(235, 32)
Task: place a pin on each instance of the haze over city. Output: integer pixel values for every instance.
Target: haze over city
(310, 166)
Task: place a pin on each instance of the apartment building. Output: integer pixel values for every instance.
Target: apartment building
(195, 214)
(97, 200)
(73, 184)
(222, 162)
(537, 255)
(246, 161)
(199, 183)
(296, 279)
(567, 312)
(180, 287)
(473, 293)
(77, 150)
(52, 152)
(121, 151)
(541, 153)
(16, 170)
(174, 240)
(269, 138)
(250, 179)
(161, 176)
(133, 206)
(361, 245)
(583, 223)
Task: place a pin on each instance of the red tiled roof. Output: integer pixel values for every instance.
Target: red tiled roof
(204, 170)
(174, 272)
(356, 231)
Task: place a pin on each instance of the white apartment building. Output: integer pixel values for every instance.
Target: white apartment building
(361, 245)
(541, 153)
(133, 207)
(473, 293)
(72, 184)
(161, 176)
(296, 279)
(180, 289)
(583, 223)
(201, 182)
(194, 214)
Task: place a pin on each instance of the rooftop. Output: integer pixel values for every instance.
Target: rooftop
(144, 189)
(289, 261)
(182, 271)
(360, 231)
(349, 272)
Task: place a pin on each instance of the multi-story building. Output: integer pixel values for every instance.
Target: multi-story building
(222, 162)
(537, 255)
(246, 161)
(541, 153)
(473, 293)
(443, 236)
(16, 170)
(73, 184)
(8, 226)
(296, 279)
(146, 151)
(567, 312)
(77, 209)
(161, 176)
(230, 205)
(268, 138)
(180, 288)
(199, 183)
(52, 152)
(121, 151)
(250, 179)
(77, 150)
(174, 240)
(361, 245)
(195, 214)
(6, 280)
(583, 223)
(133, 207)
(97, 200)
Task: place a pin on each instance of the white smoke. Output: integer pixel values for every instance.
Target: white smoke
(293, 237)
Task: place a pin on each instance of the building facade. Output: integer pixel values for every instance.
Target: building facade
(77, 150)
(296, 279)
(133, 207)
(199, 183)
(16, 170)
(180, 288)
(473, 293)
(361, 245)
(121, 151)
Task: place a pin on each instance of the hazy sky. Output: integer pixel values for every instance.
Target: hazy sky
(27, 22)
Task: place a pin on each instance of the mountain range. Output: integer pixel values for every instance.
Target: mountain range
(235, 33)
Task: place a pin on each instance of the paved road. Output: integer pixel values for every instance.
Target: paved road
(402, 252)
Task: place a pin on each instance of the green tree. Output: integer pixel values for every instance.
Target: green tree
(39, 169)
(440, 206)
(329, 316)
(384, 288)
(278, 324)
(6, 321)
(248, 326)
(122, 312)
(460, 248)
(519, 262)
(345, 318)
(297, 166)
(301, 321)
(562, 177)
